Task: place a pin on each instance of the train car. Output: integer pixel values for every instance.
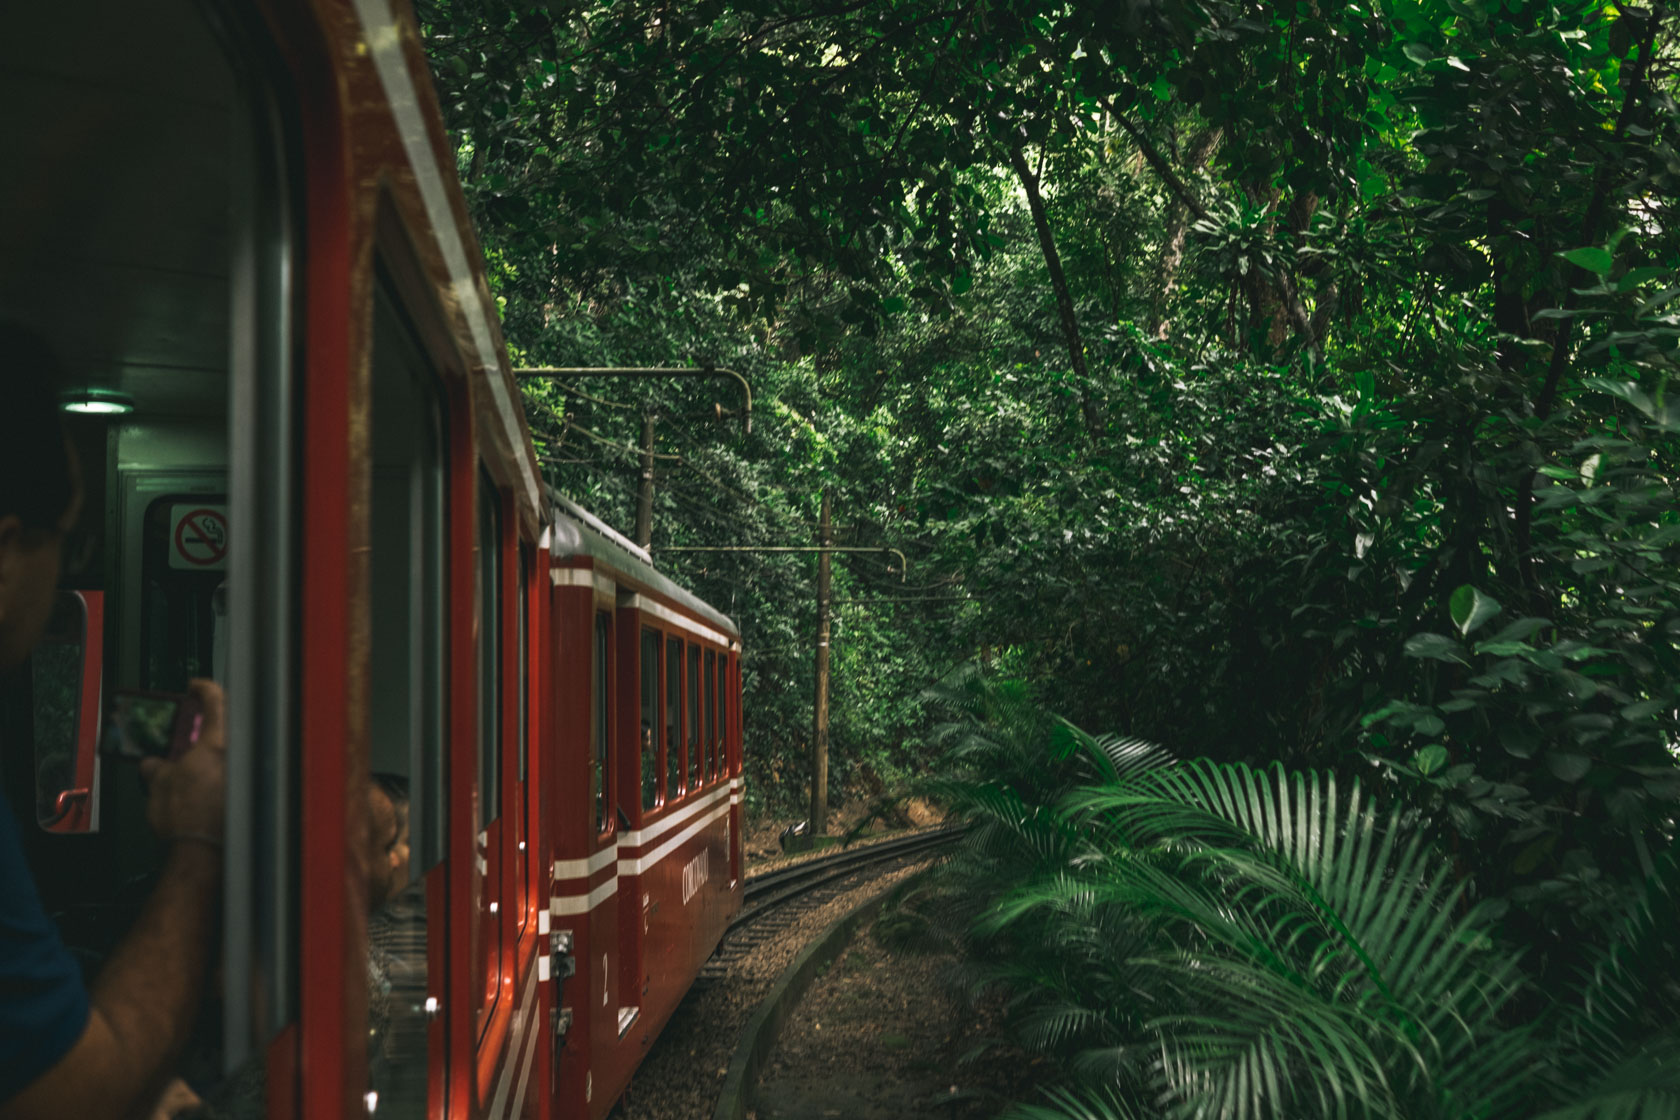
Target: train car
(308, 476)
(645, 882)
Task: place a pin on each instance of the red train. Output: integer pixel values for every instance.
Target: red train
(308, 476)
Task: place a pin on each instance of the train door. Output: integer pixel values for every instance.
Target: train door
(145, 235)
(621, 987)
(729, 697)
(407, 718)
(501, 925)
(639, 774)
(493, 1005)
(591, 902)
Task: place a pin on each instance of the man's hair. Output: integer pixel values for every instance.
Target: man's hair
(394, 786)
(35, 484)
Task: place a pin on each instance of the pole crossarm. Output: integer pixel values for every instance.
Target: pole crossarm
(903, 564)
(556, 373)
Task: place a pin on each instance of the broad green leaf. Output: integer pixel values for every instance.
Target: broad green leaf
(1430, 759)
(1470, 608)
(1645, 709)
(1436, 647)
(1567, 766)
(1590, 258)
(1521, 629)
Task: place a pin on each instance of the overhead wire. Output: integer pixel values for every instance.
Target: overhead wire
(686, 461)
(580, 394)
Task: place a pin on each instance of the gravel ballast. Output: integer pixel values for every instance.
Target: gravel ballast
(681, 1076)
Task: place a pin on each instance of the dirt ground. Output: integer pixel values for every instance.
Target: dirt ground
(888, 1034)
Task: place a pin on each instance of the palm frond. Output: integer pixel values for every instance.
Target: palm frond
(1089, 1104)
(1643, 1086)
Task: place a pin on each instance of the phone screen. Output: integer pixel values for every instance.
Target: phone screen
(142, 726)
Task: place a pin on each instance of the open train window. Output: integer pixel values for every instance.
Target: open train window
(524, 616)
(708, 692)
(489, 561)
(650, 718)
(603, 722)
(723, 714)
(673, 719)
(693, 715)
(406, 719)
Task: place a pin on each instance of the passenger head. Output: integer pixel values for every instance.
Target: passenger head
(39, 495)
(388, 837)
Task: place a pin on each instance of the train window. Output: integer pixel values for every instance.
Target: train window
(524, 614)
(406, 718)
(711, 714)
(693, 715)
(602, 778)
(650, 718)
(521, 816)
(488, 559)
(723, 714)
(673, 718)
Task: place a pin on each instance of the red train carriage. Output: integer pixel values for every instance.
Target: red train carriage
(239, 225)
(645, 882)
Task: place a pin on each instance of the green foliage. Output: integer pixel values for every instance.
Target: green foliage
(1213, 939)
(1367, 467)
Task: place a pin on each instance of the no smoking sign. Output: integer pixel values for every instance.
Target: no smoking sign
(198, 538)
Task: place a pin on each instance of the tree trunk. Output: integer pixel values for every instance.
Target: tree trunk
(1178, 225)
(819, 715)
(1058, 285)
(644, 496)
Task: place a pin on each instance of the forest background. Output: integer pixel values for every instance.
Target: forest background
(1284, 383)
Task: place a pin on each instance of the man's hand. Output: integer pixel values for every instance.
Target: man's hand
(177, 1097)
(187, 796)
(144, 1002)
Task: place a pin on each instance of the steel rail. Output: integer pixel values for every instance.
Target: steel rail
(769, 890)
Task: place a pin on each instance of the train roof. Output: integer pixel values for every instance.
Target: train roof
(575, 532)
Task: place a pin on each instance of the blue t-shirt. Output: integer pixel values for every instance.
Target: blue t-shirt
(43, 1003)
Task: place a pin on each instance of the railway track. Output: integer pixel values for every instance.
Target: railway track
(774, 900)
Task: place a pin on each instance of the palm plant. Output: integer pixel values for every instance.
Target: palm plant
(1206, 940)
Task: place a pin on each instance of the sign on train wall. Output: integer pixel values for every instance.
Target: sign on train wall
(198, 537)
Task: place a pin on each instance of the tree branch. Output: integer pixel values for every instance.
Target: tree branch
(1058, 284)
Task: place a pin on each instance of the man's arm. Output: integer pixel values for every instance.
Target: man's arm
(148, 993)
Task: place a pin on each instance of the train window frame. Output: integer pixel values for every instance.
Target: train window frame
(261, 911)
(651, 719)
(520, 814)
(488, 594)
(601, 722)
(671, 733)
(523, 631)
(694, 748)
(708, 687)
(425, 633)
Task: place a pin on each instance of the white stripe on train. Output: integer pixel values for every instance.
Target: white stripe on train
(569, 905)
(585, 868)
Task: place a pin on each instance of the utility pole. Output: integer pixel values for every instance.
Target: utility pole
(819, 729)
(644, 499)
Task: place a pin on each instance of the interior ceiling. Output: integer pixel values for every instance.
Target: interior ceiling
(114, 196)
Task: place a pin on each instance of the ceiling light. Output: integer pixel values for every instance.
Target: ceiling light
(97, 402)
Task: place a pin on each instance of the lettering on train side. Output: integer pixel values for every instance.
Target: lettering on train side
(695, 875)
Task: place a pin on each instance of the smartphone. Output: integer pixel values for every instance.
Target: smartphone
(150, 725)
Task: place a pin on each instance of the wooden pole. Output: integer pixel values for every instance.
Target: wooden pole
(644, 498)
(819, 729)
